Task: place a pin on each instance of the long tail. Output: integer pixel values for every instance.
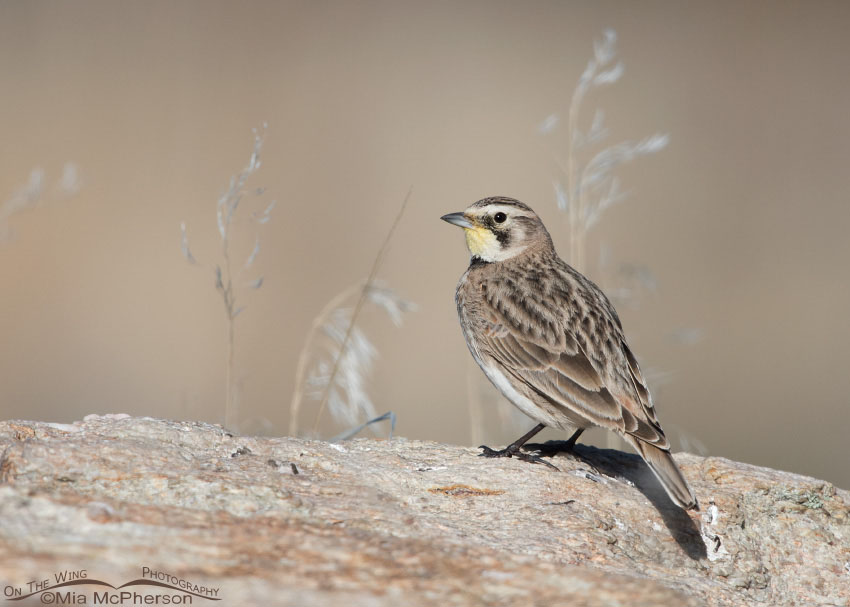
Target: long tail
(662, 464)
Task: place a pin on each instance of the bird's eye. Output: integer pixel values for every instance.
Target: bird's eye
(500, 217)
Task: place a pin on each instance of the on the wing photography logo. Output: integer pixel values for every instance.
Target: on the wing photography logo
(75, 587)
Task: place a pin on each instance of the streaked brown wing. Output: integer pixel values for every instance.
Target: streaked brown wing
(641, 389)
(568, 380)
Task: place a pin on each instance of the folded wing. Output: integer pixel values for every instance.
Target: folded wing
(566, 377)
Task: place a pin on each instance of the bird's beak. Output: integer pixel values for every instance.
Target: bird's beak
(457, 219)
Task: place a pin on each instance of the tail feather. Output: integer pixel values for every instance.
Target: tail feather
(665, 469)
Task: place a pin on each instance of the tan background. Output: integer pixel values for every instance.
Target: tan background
(743, 219)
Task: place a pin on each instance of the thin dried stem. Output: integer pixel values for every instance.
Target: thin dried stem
(230, 416)
(301, 370)
(591, 186)
(226, 207)
(357, 308)
(574, 181)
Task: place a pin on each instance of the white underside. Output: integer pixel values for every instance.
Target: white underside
(524, 404)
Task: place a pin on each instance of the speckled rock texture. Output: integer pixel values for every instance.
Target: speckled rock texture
(283, 521)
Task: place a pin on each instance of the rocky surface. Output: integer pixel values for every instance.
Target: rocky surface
(282, 521)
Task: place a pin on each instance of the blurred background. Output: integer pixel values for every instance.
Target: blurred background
(727, 254)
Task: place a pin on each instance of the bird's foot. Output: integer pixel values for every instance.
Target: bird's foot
(515, 451)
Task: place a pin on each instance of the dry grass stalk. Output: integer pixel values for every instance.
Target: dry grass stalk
(350, 350)
(591, 187)
(225, 273)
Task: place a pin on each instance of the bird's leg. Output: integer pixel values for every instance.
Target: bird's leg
(553, 448)
(515, 449)
(572, 440)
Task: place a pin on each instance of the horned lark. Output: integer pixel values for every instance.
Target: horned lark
(550, 340)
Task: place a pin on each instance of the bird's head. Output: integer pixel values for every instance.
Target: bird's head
(500, 228)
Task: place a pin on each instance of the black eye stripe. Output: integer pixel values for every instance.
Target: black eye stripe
(503, 237)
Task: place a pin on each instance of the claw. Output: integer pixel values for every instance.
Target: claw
(514, 452)
(488, 452)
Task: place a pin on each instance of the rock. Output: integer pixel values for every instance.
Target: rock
(284, 521)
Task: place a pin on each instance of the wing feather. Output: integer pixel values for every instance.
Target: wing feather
(574, 385)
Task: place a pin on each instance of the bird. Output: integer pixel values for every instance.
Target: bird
(551, 341)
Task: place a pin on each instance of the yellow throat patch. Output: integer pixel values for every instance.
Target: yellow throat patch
(481, 242)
